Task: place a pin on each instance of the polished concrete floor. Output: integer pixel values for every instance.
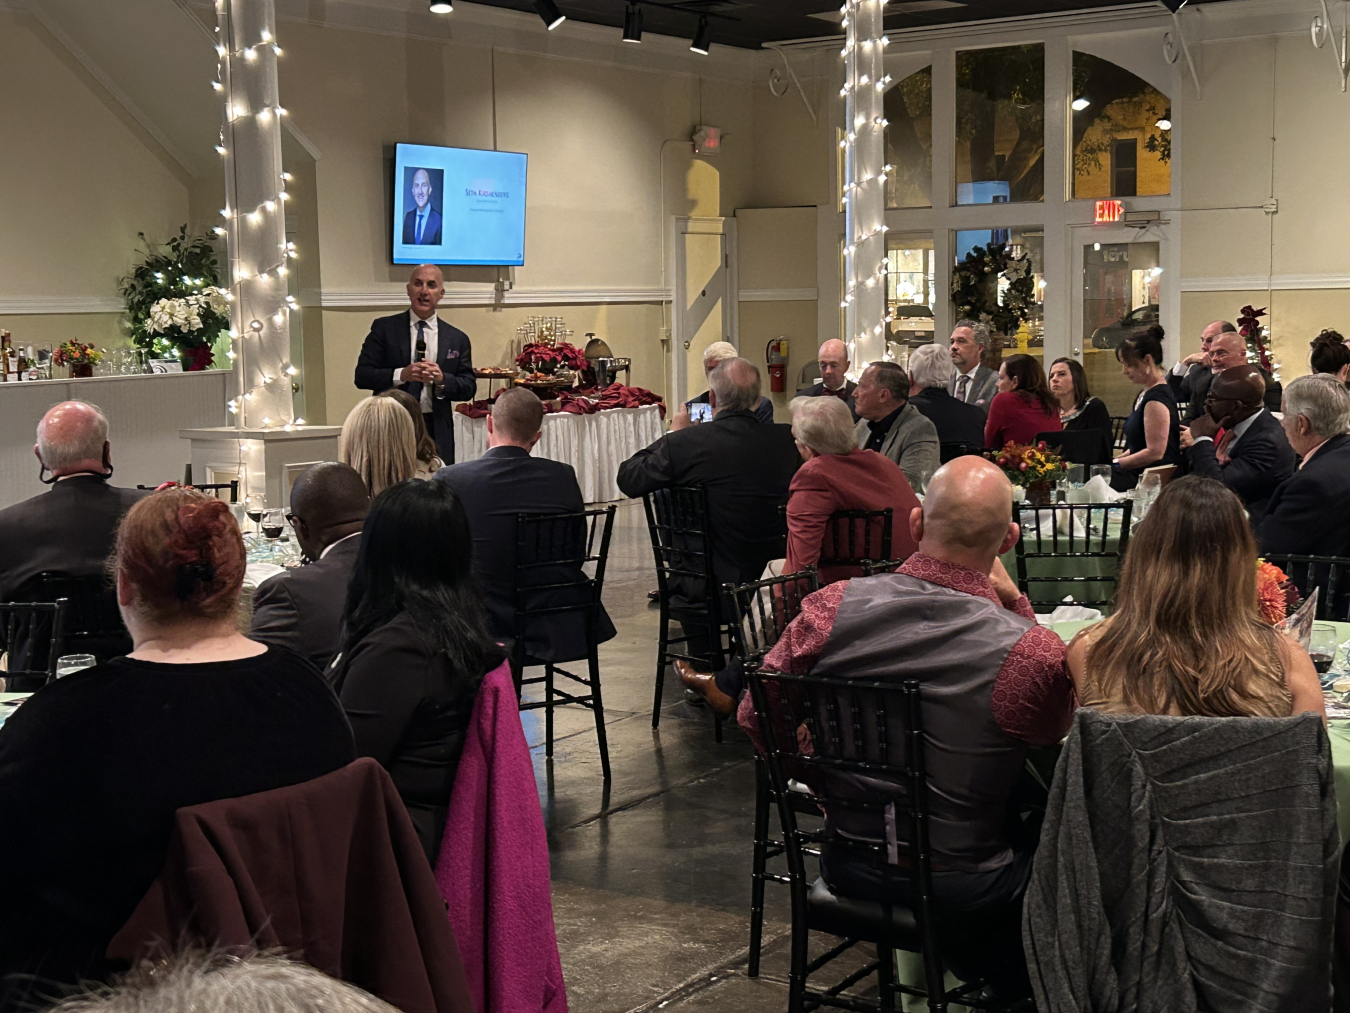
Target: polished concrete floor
(651, 877)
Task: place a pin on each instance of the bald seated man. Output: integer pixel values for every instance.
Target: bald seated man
(423, 355)
(71, 528)
(1237, 441)
(833, 362)
(506, 481)
(994, 684)
(301, 610)
(1195, 370)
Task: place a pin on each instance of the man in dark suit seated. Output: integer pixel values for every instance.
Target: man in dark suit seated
(720, 351)
(1306, 513)
(422, 355)
(71, 528)
(301, 609)
(930, 374)
(1227, 349)
(1196, 368)
(507, 481)
(1252, 455)
(422, 224)
(833, 362)
(746, 467)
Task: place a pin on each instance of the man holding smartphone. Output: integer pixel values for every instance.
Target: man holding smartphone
(698, 409)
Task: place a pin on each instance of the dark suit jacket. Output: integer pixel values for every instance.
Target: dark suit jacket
(746, 466)
(1306, 513)
(301, 610)
(763, 410)
(504, 482)
(1195, 386)
(69, 529)
(388, 346)
(955, 421)
(431, 231)
(817, 389)
(1259, 462)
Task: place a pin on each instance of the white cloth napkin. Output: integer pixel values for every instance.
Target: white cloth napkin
(1070, 614)
(256, 573)
(1100, 491)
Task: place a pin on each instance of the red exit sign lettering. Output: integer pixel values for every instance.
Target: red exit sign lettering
(1109, 211)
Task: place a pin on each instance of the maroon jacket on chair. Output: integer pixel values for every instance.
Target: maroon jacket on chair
(330, 871)
(861, 480)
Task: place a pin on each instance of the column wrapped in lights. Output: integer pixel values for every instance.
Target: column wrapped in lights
(254, 218)
(864, 183)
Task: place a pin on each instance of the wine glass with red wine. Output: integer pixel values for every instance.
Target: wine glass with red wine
(273, 523)
(254, 505)
(1322, 647)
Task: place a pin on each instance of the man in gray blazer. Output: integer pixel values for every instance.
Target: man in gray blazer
(301, 610)
(973, 383)
(892, 426)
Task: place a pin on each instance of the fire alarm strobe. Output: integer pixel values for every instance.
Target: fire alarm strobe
(707, 140)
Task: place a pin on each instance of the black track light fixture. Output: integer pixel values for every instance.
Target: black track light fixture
(440, 6)
(548, 13)
(702, 38)
(1173, 5)
(632, 23)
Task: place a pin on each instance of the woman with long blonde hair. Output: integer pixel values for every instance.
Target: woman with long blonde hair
(378, 440)
(1187, 637)
(426, 463)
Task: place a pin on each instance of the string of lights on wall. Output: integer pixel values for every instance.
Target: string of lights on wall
(258, 250)
(864, 183)
(632, 19)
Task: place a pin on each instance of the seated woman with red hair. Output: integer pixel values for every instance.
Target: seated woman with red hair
(93, 766)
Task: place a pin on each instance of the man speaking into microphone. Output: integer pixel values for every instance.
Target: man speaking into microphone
(425, 356)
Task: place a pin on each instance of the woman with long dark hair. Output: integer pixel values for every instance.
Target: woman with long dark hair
(1023, 406)
(416, 646)
(1187, 636)
(1078, 409)
(1153, 429)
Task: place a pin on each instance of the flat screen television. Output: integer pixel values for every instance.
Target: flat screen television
(458, 206)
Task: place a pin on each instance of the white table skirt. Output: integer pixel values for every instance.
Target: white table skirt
(594, 445)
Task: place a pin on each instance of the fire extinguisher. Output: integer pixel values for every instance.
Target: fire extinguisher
(776, 354)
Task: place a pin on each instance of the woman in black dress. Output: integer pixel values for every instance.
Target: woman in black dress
(416, 646)
(93, 766)
(1078, 410)
(1153, 429)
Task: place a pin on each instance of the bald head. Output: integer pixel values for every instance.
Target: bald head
(328, 501)
(72, 437)
(517, 415)
(1227, 350)
(966, 517)
(734, 384)
(1245, 385)
(426, 286)
(833, 362)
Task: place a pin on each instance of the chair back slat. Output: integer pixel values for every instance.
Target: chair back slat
(92, 623)
(854, 536)
(553, 555)
(34, 638)
(766, 607)
(1118, 432)
(1327, 574)
(677, 520)
(1072, 536)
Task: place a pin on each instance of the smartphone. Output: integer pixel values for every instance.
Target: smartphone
(699, 411)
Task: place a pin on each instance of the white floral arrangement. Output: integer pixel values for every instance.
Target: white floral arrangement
(184, 314)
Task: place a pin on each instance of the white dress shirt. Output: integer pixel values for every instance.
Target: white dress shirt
(970, 382)
(345, 538)
(430, 334)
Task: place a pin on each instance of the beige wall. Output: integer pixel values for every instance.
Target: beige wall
(78, 180)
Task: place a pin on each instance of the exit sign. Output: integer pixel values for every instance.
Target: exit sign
(1109, 211)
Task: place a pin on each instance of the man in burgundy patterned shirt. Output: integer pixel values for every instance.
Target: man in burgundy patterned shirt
(994, 684)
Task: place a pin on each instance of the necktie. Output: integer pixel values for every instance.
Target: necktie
(962, 388)
(1225, 438)
(418, 356)
(421, 217)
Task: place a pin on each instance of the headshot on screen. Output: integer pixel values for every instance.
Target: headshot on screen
(422, 198)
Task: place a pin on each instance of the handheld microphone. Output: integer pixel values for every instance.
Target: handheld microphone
(421, 349)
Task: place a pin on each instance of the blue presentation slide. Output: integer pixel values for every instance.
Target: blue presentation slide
(459, 206)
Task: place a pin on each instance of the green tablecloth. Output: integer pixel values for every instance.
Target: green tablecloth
(1045, 596)
(1338, 731)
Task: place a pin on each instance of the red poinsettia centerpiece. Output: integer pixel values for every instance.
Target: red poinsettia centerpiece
(1275, 593)
(539, 358)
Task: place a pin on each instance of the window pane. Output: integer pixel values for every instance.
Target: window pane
(1120, 296)
(910, 290)
(1122, 141)
(908, 108)
(1028, 241)
(1000, 125)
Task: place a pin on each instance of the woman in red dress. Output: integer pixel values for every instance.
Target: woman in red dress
(1023, 407)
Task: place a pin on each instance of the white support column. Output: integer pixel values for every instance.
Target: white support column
(864, 142)
(255, 218)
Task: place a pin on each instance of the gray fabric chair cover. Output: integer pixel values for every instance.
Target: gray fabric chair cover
(1186, 864)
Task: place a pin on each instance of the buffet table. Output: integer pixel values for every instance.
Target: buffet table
(594, 445)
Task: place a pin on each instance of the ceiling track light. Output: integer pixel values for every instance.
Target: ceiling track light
(548, 13)
(1173, 5)
(632, 23)
(440, 6)
(702, 38)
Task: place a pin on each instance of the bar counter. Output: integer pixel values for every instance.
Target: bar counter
(145, 413)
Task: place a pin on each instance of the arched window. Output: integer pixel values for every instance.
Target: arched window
(1122, 139)
(908, 107)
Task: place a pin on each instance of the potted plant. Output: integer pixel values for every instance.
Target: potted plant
(78, 356)
(175, 306)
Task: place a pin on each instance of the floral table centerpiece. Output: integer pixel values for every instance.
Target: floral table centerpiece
(78, 356)
(1034, 468)
(175, 306)
(1275, 593)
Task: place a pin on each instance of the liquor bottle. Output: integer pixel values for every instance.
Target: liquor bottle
(6, 356)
